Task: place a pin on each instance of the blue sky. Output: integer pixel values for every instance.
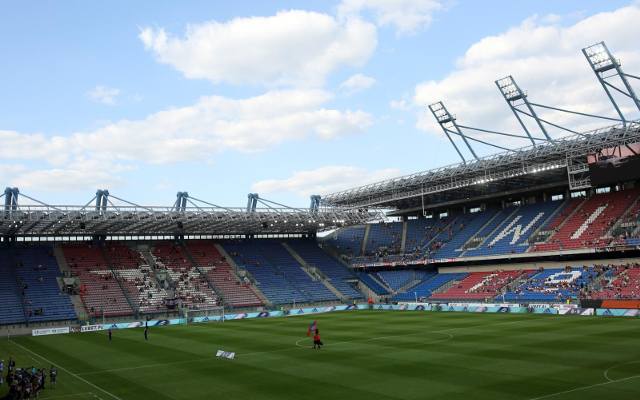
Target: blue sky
(286, 98)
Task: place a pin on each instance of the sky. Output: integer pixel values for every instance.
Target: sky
(283, 98)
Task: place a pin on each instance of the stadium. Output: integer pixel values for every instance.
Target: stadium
(514, 275)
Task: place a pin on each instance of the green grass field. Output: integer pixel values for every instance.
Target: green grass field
(368, 355)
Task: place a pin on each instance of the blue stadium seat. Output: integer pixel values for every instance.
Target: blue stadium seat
(384, 235)
(339, 275)
(280, 277)
(465, 227)
(34, 269)
(514, 227)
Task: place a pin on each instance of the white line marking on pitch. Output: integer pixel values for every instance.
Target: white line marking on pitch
(62, 396)
(142, 366)
(67, 371)
(585, 387)
(606, 371)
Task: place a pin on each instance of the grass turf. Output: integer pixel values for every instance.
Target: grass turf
(368, 355)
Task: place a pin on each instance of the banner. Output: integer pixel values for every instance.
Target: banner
(50, 331)
(230, 355)
(484, 304)
(576, 311)
(91, 328)
(618, 312)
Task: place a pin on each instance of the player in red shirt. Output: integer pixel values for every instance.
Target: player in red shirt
(317, 343)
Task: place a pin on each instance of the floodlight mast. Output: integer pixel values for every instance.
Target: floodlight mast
(181, 201)
(514, 96)
(11, 199)
(602, 61)
(448, 121)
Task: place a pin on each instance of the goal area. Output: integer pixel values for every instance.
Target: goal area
(203, 314)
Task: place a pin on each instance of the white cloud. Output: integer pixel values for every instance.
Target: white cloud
(79, 175)
(197, 132)
(356, 83)
(546, 61)
(290, 48)
(406, 16)
(104, 94)
(402, 105)
(325, 179)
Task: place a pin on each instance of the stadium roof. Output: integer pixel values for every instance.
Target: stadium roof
(107, 218)
(546, 164)
(556, 164)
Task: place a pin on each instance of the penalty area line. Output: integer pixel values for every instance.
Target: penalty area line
(63, 396)
(66, 370)
(547, 396)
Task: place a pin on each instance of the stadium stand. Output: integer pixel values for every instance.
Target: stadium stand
(419, 233)
(407, 292)
(11, 311)
(425, 289)
(236, 292)
(396, 279)
(479, 286)
(465, 227)
(38, 272)
(190, 287)
(372, 284)
(280, 277)
(99, 290)
(347, 240)
(620, 282)
(589, 224)
(567, 208)
(339, 275)
(384, 237)
(515, 227)
(137, 278)
(554, 284)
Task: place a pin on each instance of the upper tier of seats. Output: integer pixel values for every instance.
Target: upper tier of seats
(383, 235)
(515, 228)
(563, 225)
(464, 228)
(347, 240)
(589, 224)
(421, 232)
(567, 208)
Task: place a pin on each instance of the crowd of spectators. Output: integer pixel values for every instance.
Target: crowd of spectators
(26, 383)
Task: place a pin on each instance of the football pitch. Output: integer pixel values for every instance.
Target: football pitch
(367, 355)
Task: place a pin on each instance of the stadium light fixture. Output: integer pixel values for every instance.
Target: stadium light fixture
(607, 68)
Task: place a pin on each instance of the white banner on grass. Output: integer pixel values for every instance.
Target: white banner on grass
(50, 331)
(226, 354)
